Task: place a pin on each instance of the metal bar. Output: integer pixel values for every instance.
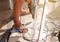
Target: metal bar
(41, 20)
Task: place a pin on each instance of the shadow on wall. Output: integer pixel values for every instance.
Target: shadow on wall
(4, 4)
(5, 12)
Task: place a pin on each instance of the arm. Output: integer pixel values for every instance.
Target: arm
(17, 12)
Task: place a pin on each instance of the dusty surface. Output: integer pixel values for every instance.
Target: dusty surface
(52, 24)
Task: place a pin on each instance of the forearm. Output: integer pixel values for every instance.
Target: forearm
(17, 12)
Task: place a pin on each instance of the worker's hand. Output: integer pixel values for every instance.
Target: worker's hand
(21, 28)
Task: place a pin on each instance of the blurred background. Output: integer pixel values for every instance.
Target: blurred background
(46, 20)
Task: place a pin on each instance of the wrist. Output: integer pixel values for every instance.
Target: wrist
(17, 26)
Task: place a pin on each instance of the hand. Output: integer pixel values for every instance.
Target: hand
(21, 28)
